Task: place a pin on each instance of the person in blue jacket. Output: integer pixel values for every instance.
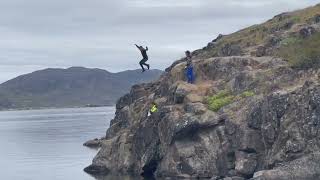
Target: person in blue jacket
(189, 67)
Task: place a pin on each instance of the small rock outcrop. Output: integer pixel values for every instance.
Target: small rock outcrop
(94, 143)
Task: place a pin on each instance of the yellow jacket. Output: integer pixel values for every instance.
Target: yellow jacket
(153, 109)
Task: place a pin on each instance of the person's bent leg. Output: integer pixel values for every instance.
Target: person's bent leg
(141, 64)
(148, 65)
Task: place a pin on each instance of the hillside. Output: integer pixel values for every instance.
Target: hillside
(293, 36)
(253, 112)
(72, 87)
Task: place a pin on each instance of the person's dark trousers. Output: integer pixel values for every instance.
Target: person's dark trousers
(143, 62)
(190, 75)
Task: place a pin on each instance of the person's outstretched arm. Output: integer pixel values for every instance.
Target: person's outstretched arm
(137, 46)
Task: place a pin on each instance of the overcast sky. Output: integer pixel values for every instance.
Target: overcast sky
(37, 34)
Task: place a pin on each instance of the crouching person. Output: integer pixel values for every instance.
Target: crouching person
(153, 109)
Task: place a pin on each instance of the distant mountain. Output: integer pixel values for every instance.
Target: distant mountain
(72, 87)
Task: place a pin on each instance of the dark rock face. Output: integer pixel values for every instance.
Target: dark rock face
(250, 138)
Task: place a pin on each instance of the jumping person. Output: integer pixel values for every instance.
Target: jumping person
(189, 67)
(145, 57)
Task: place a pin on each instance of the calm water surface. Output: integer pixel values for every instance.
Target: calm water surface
(47, 144)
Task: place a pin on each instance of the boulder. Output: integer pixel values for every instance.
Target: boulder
(246, 163)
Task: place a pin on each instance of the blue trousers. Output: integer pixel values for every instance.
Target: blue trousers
(190, 75)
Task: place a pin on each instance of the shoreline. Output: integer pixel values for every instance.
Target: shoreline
(48, 108)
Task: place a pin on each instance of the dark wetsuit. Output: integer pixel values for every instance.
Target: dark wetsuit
(145, 58)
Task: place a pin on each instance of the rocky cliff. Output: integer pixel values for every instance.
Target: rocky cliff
(252, 113)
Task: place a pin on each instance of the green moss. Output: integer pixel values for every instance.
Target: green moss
(220, 100)
(302, 53)
(224, 98)
(217, 104)
(247, 94)
(220, 94)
